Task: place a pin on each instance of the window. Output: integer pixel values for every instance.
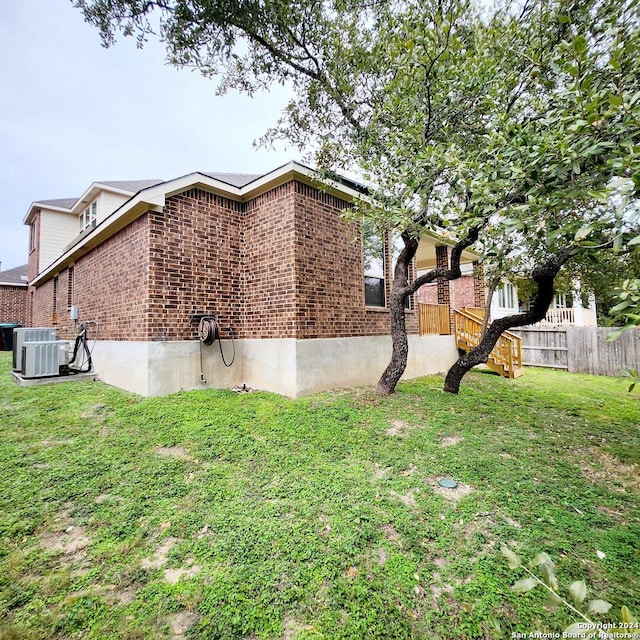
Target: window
(374, 266)
(54, 315)
(506, 296)
(70, 288)
(32, 236)
(560, 301)
(89, 216)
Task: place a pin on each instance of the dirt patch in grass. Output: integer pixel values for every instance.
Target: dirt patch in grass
(408, 499)
(450, 441)
(71, 541)
(390, 532)
(50, 442)
(452, 495)
(179, 453)
(161, 554)
(380, 472)
(172, 576)
(122, 597)
(292, 628)
(601, 467)
(400, 428)
(180, 623)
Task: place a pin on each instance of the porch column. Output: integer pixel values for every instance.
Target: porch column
(444, 292)
(578, 309)
(479, 289)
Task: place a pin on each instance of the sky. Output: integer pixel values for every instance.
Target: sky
(73, 113)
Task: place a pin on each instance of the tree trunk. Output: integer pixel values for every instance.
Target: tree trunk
(399, 293)
(544, 276)
(400, 346)
(400, 343)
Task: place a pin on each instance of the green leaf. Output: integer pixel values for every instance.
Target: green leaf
(579, 44)
(626, 615)
(599, 606)
(635, 241)
(578, 591)
(524, 585)
(512, 558)
(578, 630)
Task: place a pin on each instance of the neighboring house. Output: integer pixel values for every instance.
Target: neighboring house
(270, 255)
(566, 310)
(13, 296)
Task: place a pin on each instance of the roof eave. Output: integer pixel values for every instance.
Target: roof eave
(36, 206)
(155, 197)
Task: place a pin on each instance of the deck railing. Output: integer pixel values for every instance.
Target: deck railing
(559, 317)
(506, 355)
(434, 319)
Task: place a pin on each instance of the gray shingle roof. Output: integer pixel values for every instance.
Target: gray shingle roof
(17, 275)
(234, 179)
(130, 185)
(62, 203)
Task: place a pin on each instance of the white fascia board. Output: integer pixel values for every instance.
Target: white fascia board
(94, 191)
(467, 254)
(295, 170)
(155, 198)
(39, 205)
(192, 181)
(14, 284)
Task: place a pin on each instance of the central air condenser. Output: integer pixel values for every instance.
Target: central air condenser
(42, 359)
(30, 334)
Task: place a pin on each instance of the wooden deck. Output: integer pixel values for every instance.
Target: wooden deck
(506, 357)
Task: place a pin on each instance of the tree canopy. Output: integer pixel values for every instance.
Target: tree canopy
(515, 127)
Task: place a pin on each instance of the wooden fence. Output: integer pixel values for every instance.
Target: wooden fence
(580, 349)
(434, 319)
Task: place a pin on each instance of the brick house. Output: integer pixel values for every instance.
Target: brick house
(13, 295)
(270, 255)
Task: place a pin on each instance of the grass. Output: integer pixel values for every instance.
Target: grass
(214, 515)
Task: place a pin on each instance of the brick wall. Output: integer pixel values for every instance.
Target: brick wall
(330, 272)
(268, 265)
(463, 292)
(241, 261)
(194, 264)
(42, 313)
(13, 304)
(109, 286)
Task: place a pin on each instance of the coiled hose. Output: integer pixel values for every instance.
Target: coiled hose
(209, 332)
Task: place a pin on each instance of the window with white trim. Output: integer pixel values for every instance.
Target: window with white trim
(374, 266)
(560, 301)
(89, 216)
(506, 296)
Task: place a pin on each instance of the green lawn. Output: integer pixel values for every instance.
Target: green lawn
(223, 515)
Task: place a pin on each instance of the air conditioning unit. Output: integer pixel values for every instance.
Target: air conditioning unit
(30, 334)
(42, 359)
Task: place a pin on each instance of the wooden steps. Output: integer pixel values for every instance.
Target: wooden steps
(506, 357)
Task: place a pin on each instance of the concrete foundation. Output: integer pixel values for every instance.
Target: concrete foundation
(36, 382)
(286, 366)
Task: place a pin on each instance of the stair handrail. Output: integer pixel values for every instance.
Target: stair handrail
(508, 341)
